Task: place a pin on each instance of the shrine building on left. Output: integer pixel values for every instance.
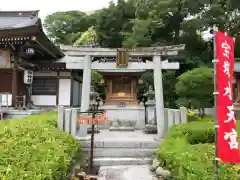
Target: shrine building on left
(24, 46)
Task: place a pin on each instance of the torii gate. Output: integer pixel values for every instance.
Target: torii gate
(81, 58)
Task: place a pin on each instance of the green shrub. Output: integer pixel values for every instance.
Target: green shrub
(33, 148)
(192, 116)
(188, 151)
(195, 132)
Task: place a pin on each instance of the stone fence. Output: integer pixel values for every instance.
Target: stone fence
(175, 116)
(67, 120)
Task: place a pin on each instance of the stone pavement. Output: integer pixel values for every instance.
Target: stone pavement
(136, 172)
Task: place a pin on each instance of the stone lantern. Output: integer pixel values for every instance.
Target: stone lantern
(93, 96)
(151, 126)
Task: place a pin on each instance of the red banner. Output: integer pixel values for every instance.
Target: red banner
(227, 140)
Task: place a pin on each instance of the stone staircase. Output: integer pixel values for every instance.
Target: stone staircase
(122, 148)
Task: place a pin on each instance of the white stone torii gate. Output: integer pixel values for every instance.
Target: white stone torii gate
(81, 58)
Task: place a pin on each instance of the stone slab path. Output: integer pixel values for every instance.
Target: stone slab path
(136, 172)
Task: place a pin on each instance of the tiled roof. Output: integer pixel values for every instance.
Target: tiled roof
(17, 19)
(25, 24)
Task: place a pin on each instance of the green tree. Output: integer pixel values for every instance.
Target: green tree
(88, 37)
(65, 27)
(113, 23)
(141, 35)
(224, 14)
(96, 79)
(194, 89)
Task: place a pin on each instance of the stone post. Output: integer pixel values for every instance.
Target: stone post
(74, 121)
(67, 126)
(60, 117)
(151, 126)
(157, 73)
(183, 111)
(177, 116)
(170, 118)
(85, 97)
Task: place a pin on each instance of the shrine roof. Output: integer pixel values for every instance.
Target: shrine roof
(17, 19)
(21, 30)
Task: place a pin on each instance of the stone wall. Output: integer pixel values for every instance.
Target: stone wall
(67, 120)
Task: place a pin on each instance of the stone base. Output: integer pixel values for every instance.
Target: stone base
(125, 116)
(122, 126)
(150, 129)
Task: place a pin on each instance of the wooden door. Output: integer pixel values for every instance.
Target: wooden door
(6, 82)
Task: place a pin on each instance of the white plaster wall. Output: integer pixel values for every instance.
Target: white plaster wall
(44, 100)
(6, 99)
(64, 92)
(75, 93)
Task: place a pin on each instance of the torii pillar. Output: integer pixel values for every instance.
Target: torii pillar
(158, 66)
(158, 86)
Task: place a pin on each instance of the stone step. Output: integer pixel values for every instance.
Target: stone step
(121, 128)
(136, 172)
(110, 161)
(121, 152)
(115, 143)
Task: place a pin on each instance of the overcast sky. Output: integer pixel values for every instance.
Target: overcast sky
(49, 6)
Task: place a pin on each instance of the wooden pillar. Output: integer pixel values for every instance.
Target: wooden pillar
(110, 89)
(57, 92)
(132, 87)
(71, 94)
(15, 80)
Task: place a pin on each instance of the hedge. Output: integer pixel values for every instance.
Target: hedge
(188, 152)
(32, 148)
